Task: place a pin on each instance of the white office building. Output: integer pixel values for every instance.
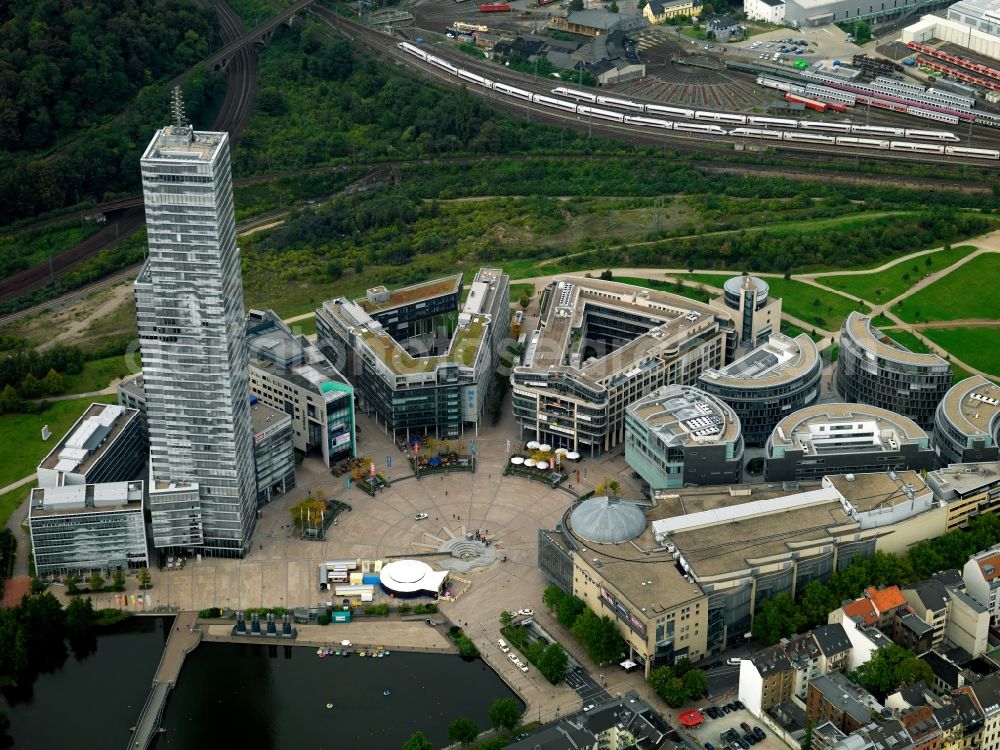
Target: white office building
(189, 306)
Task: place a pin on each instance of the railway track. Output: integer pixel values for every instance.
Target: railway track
(243, 74)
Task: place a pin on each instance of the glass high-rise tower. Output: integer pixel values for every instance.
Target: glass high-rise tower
(189, 306)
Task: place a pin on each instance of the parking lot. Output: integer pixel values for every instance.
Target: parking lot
(711, 730)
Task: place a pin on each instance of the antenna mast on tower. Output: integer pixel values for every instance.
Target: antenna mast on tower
(177, 109)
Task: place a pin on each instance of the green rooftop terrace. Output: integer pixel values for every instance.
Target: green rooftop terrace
(465, 345)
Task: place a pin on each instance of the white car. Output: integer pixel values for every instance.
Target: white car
(524, 667)
(420, 516)
(525, 612)
(513, 658)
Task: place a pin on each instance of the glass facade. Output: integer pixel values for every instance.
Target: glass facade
(189, 307)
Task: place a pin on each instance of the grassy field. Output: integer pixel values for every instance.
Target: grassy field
(908, 340)
(690, 292)
(824, 309)
(979, 347)
(98, 373)
(21, 434)
(967, 292)
(10, 501)
(890, 283)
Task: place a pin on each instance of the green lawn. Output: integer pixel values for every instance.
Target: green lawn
(20, 434)
(890, 283)
(825, 310)
(969, 291)
(908, 340)
(305, 327)
(690, 292)
(979, 347)
(516, 290)
(98, 373)
(10, 501)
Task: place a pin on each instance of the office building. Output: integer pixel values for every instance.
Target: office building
(679, 435)
(273, 451)
(828, 438)
(599, 347)
(875, 370)
(81, 528)
(966, 491)
(967, 422)
(105, 444)
(415, 365)
(778, 377)
(757, 316)
(189, 307)
(289, 373)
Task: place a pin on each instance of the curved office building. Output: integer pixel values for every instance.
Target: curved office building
(770, 382)
(967, 422)
(757, 314)
(680, 435)
(873, 369)
(844, 438)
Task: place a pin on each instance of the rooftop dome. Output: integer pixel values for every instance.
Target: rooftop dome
(607, 521)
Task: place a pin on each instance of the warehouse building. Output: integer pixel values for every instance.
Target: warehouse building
(679, 435)
(967, 422)
(778, 377)
(81, 528)
(839, 438)
(418, 360)
(289, 373)
(873, 369)
(105, 444)
(822, 12)
(957, 31)
(599, 347)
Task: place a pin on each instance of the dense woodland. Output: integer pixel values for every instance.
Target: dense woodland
(67, 68)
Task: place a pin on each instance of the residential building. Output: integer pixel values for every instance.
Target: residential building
(981, 575)
(724, 28)
(777, 378)
(948, 675)
(273, 451)
(105, 444)
(766, 679)
(189, 307)
(828, 438)
(836, 699)
(658, 11)
(775, 674)
(966, 490)
(875, 370)
(986, 696)
(769, 11)
(878, 608)
(289, 373)
(967, 422)
(599, 347)
(411, 372)
(679, 435)
(79, 528)
(955, 618)
(757, 315)
(913, 633)
(865, 640)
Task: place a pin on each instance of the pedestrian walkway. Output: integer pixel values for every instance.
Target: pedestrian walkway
(183, 639)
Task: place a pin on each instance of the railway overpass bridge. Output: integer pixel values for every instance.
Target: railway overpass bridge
(259, 35)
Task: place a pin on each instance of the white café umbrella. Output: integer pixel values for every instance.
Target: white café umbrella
(533, 445)
(545, 447)
(517, 460)
(529, 463)
(573, 456)
(542, 465)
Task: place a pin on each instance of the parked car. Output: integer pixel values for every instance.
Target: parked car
(738, 704)
(524, 667)
(733, 661)
(759, 733)
(709, 746)
(744, 726)
(420, 516)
